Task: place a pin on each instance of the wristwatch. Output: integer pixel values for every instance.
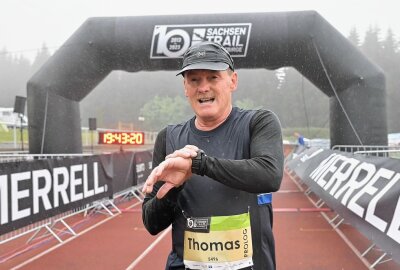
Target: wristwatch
(199, 163)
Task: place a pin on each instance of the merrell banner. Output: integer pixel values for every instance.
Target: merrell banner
(34, 190)
(364, 190)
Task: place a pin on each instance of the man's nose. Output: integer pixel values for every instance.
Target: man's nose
(203, 86)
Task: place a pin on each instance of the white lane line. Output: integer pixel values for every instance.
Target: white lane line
(152, 245)
(68, 240)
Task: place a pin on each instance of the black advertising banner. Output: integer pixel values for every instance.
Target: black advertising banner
(364, 190)
(144, 165)
(31, 191)
(123, 171)
(127, 169)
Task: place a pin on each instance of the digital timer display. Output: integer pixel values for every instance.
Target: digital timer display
(122, 138)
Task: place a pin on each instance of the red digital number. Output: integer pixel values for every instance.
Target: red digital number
(122, 138)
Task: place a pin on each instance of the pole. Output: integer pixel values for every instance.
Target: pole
(91, 138)
(22, 132)
(15, 133)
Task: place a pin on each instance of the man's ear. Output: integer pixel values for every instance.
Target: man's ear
(234, 81)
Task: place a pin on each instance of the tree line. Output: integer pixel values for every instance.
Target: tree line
(150, 100)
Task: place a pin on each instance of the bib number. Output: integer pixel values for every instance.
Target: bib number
(222, 242)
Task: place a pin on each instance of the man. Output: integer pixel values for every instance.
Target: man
(215, 173)
(300, 139)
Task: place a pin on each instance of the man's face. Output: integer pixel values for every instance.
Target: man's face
(210, 92)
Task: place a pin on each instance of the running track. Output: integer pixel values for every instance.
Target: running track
(304, 241)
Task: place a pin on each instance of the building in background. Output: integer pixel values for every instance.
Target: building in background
(8, 118)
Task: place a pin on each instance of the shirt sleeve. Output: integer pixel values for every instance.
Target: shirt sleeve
(261, 173)
(158, 214)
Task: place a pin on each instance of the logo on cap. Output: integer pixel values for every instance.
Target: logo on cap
(201, 54)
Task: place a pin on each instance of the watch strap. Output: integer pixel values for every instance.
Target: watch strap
(198, 163)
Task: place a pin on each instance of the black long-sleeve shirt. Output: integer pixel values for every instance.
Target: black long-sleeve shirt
(261, 173)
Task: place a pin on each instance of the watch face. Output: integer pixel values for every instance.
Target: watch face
(121, 138)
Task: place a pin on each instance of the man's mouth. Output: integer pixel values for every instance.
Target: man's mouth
(205, 100)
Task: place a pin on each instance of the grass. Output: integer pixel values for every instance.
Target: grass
(7, 135)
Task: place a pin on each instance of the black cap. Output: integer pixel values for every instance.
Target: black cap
(206, 55)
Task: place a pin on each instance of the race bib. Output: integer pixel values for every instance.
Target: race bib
(222, 242)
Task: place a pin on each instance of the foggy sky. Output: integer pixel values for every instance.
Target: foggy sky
(25, 25)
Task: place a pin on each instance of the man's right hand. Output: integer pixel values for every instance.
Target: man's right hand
(173, 171)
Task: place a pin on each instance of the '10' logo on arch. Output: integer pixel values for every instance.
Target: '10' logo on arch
(171, 41)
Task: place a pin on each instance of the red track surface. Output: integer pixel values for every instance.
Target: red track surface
(304, 241)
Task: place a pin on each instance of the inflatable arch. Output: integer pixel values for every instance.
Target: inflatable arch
(303, 40)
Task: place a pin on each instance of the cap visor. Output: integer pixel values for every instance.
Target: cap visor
(205, 65)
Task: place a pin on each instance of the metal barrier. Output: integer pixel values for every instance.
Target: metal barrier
(16, 156)
(335, 223)
(337, 220)
(36, 227)
(101, 206)
(370, 150)
(50, 223)
(395, 153)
